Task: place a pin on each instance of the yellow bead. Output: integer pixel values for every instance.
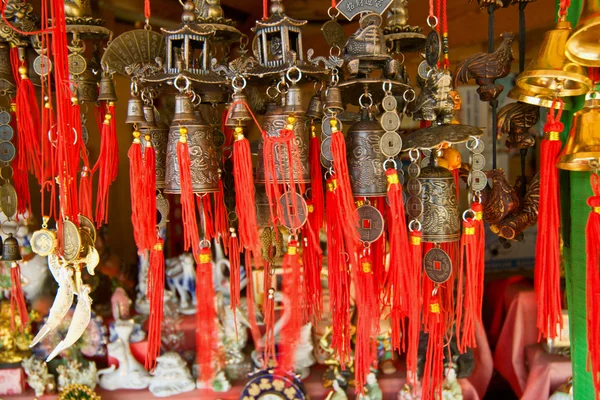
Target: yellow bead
(183, 130)
(136, 134)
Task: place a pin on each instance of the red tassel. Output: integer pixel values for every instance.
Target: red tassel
(205, 210)
(433, 374)
(367, 324)
(592, 234)
(221, 218)
(316, 180)
(156, 287)
(312, 259)
(205, 316)
(268, 316)
(244, 193)
(468, 287)
(85, 193)
(28, 117)
(402, 289)
(254, 331)
(149, 197)
(290, 332)
(136, 182)
(17, 299)
(338, 276)
(547, 260)
(235, 270)
(414, 309)
(106, 165)
(188, 211)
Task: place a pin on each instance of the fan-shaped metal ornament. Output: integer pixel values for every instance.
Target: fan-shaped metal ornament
(136, 53)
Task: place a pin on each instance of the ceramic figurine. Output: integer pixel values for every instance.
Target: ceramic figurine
(172, 336)
(304, 352)
(220, 265)
(451, 389)
(181, 278)
(142, 306)
(219, 383)
(407, 393)
(564, 392)
(171, 376)
(372, 389)
(121, 304)
(337, 393)
(130, 374)
(38, 377)
(74, 373)
(234, 335)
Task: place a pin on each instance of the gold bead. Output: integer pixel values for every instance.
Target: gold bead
(183, 130)
(111, 103)
(136, 134)
(22, 70)
(107, 118)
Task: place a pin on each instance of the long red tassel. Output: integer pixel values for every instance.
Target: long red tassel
(435, 326)
(316, 180)
(106, 165)
(268, 316)
(244, 192)
(85, 193)
(414, 309)
(149, 199)
(221, 220)
(234, 269)
(205, 209)
(205, 316)
(592, 234)
(547, 260)
(402, 289)
(290, 332)
(17, 299)
(312, 259)
(28, 117)
(156, 287)
(188, 211)
(20, 176)
(468, 281)
(136, 182)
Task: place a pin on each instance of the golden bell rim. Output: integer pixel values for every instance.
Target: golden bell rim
(579, 162)
(526, 77)
(578, 53)
(541, 100)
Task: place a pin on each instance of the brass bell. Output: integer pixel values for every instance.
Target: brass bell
(583, 143)
(263, 210)
(203, 156)
(274, 120)
(87, 86)
(107, 90)
(184, 109)
(333, 99)
(293, 101)
(10, 249)
(159, 134)
(135, 111)
(239, 114)
(315, 107)
(583, 46)
(7, 80)
(551, 72)
(440, 219)
(149, 115)
(365, 159)
(540, 100)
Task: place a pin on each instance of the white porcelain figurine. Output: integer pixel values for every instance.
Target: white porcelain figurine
(171, 376)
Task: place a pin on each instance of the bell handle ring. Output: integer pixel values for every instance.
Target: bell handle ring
(180, 88)
(412, 228)
(3, 225)
(297, 72)
(238, 83)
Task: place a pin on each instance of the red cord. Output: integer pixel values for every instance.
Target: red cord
(564, 8)
(147, 10)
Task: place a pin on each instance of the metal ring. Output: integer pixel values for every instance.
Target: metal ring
(335, 47)
(434, 24)
(403, 58)
(237, 87)
(205, 244)
(477, 197)
(335, 79)
(387, 86)
(185, 79)
(413, 157)
(414, 221)
(281, 84)
(232, 216)
(3, 224)
(392, 161)
(470, 146)
(289, 76)
(367, 246)
(320, 87)
(330, 10)
(409, 99)
(362, 96)
(134, 88)
(244, 40)
(435, 290)
(11, 172)
(467, 211)
(347, 259)
(293, 237)
(271, 95)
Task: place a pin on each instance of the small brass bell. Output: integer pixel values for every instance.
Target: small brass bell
(583, 46)
(149, 115)
(583, 143)
(315, 107)
(135, 111)
(87, 86)
(107, 90)
(7, 80)
(239, 114)
(184, 109)
(440, 219)
(333, 99)
(365, 159)
(293, 101)
(551, 72)
(540, 100)
(159, 134)
(10, 249)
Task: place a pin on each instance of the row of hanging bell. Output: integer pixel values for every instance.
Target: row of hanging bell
(583, 46)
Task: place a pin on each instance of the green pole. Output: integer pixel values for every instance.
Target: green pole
(575, 189)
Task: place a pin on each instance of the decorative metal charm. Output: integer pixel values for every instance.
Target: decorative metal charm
(437, 265)
(43, 242)
(440, 207)
(370, 223)
(8, 199)
(10, 249)
(294, 210)
(433, 137)
(400, 36)
(87, 225)
(162, 206)
(583, 145)
(434, 103)
(432, 49)
(515, 120)
(136, 53)
(71, 241)
(352, 8)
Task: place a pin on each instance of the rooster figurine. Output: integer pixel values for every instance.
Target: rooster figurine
(485, 68)
(515, 120)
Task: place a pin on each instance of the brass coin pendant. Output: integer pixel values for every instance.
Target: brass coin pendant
(295, 211)
(7, 152)
(86, 224)
(432, 48)
(389, 103)
(414, 187)
(477, 180)
(6, 132)
(414, 207)
(5, 118)
(77, 64)
(334, 33)
(8, 200)
(43, 242)
(390, 121)
(326, 152)
(414, 170)
(438, 265)
(71, 241)
(370, 223)
(391, 144)
(477, 161)
(42, 65)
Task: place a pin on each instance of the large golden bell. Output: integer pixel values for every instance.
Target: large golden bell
(537, 99)
(583, 143)
(583, 47)
(551, 72)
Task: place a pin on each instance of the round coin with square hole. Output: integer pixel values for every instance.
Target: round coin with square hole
(370, 223)
(391, 144)
(390, 121)
(326, 126)
(77, 64)
(294, 210)
(423, 70)
(6, 132)
(478, 148)
(414, 170)
(7, 151)
(437, 265)
(477, 161)
(5, 118)
(42, 65)
(326, 149)
(477, 181)
(389, 103)
(414, 207)
(413, 187)
(425, 162)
